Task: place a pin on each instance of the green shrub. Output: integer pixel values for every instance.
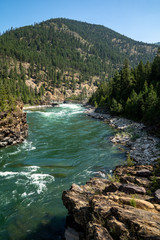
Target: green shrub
(133, 202)
(130, 161)
(113, 178)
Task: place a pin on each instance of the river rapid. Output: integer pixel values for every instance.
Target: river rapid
(64, 146)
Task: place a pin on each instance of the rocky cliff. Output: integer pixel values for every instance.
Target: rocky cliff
(13, 126)
(124, 206)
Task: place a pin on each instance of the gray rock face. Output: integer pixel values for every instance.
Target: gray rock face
(99, 232)
(141, 146)
(13, 127)
(71, 234)
(144, 150)
(144, 173)
(104, 212)
(113, 187)
(3, 144)
(132, 189)
(157, 196)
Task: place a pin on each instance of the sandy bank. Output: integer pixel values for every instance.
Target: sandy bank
(36, 106)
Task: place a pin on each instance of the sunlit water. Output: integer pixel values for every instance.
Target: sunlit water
(64, 146)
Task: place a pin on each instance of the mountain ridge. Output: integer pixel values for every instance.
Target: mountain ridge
(66, 57)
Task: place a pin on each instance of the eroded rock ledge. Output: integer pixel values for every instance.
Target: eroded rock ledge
(124, 207)
(13, 126)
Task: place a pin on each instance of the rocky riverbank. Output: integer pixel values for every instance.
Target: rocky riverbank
(13, 126)
(125, 205)
(142, 147)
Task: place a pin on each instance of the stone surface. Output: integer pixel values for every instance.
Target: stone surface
(139, 203)
(71, 234)
(98, 231)
(103, 211)
(132, 189)
(128, 209)
(144, 150)
(157, 196)
(142, 147)
(144, 173)
(13, 127)
(113, 187)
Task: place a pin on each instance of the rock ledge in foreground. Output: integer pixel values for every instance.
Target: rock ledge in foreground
(102, 209)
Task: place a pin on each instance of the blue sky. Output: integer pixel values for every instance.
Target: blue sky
(137, 19)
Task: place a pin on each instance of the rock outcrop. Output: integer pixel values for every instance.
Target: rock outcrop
(126, 209)
(141, 146)
(13, 126)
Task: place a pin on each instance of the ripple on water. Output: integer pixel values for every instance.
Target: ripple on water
(27, 146)
(39, 180)
(61, 111)
(63, 146)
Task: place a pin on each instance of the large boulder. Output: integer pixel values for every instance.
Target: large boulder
(157, 196)
(112, 210)
(132, 189)
(13, 126)
(144, 173)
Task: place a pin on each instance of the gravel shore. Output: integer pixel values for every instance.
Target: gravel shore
(142, 147)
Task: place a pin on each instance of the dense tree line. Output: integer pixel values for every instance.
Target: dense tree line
(54, 47)
(13, 87)
(62, 43)
(133, 92)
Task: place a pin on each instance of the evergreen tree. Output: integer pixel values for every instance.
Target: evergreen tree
(134, 93)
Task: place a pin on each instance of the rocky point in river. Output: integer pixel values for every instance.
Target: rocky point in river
(13, 126)
(142, 147)
(125, 206)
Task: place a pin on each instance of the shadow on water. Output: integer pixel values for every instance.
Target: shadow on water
(50, 228)
(15, 165)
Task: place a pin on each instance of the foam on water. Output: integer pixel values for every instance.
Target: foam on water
(15, 152)
(27, 146)
(24, 195)
(72, 106)
(53, 114)
(69, 148)
(32, 168)
(28, 111)
(39, 180)
(8, 174)
(64, 110)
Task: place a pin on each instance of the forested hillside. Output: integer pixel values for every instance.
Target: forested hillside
(133, 92)
(60, 58)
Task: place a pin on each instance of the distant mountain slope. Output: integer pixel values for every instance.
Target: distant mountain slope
(67, 57)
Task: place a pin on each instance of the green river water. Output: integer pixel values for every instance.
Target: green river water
(64, 146)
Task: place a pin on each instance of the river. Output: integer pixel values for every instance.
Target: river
(64, 146)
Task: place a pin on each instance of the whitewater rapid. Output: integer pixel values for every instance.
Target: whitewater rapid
(64, 146)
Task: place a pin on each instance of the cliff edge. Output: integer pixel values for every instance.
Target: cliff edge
(13, 126)
(124, 206)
